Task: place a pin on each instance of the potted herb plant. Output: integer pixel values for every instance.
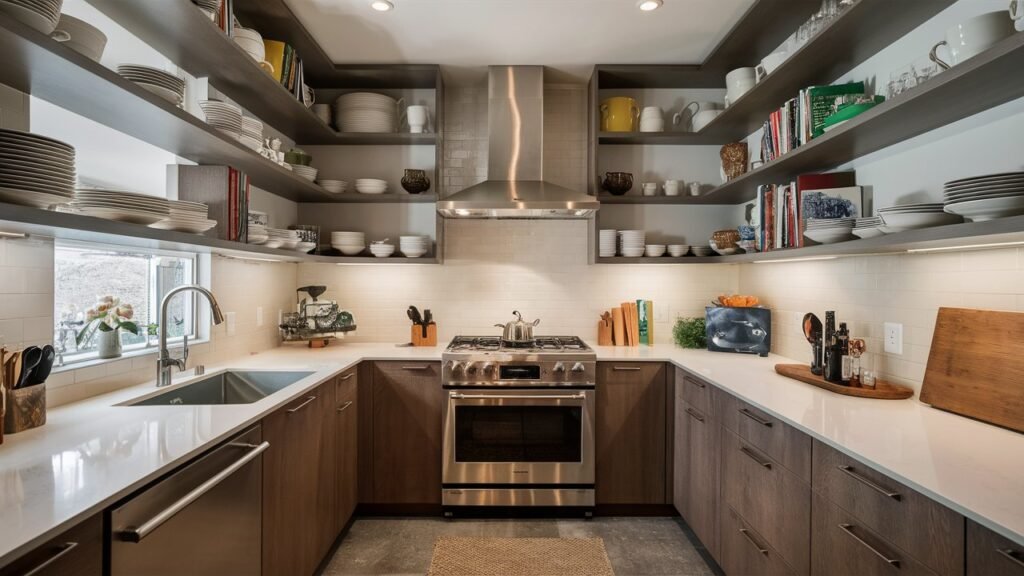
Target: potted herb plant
(105, 320)
(690, 333)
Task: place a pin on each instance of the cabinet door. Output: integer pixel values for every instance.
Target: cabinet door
(681, 466)
(291, 478)
(703, 460)
(346, 448)
(630, 434)
(745, 552)
(408, 404)
(326, 495)
(76, 552)
(989, 554)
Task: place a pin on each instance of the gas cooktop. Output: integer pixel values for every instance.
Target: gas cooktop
(541, 344)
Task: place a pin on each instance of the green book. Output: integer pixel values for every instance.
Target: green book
(641, 320)
(823, 98)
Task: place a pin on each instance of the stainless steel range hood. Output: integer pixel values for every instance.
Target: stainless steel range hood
(515, 186)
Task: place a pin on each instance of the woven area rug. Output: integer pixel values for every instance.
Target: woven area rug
(457, 556)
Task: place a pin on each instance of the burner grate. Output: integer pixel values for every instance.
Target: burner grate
(539, 344)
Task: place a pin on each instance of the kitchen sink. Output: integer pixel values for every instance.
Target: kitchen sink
(230, 387)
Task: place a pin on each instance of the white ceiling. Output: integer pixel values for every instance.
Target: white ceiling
(568, 36)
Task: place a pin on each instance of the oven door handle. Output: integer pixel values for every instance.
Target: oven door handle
(461, 396)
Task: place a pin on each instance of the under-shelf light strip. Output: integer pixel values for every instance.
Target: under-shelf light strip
(966, 247)
(805, 259)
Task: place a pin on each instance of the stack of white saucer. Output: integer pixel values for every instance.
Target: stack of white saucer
(606, 243)
(632, 243)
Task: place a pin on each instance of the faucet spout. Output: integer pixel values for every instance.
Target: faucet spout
(164, 362)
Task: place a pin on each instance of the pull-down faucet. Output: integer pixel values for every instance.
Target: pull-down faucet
(164, 362)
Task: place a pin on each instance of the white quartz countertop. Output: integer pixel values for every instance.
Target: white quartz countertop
(92, 453)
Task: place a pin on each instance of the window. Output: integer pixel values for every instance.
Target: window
(85, 274)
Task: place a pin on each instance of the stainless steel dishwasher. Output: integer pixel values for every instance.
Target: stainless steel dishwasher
(202, 519)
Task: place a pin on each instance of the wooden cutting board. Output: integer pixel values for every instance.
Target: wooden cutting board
(882, 391)
(976, 366)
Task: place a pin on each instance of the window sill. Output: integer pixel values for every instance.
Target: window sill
(72, 365)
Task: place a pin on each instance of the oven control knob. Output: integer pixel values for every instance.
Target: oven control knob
(488, 368)
(455, 366)
(558, 368)
(470, 368)
(578, 367)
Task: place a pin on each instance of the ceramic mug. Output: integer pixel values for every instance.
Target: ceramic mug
(1017, 9)
(323, 112)
(619, 114)
(738, 82)
(769, 63)
(650, 188)
(694, 188)
(417, 118)
(703, 118)
(671, 187)
(974, 36)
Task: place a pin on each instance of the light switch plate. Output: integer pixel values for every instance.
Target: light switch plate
(259, 316)
(893, 338)
(230, 321)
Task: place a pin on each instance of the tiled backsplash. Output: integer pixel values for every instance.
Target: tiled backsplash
(868, 291)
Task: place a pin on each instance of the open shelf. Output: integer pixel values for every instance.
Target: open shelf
(657, 138)
(403, 197)
(764, 26)
(985, 81)
(683, 198)
(371, 139)
(861, 32)
(663, 260)
(45, 68)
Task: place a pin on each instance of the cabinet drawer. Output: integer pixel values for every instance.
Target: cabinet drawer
(844, 546)
(769, 497)
(890, 509)
(76, 552)
(696, 393)
(776, 439)
(989, 554)
(745, 552)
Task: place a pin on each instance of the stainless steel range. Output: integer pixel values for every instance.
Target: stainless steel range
(519, 429)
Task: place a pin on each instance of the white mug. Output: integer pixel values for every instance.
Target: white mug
(417, 118)
(694, 188)
(1017, 9)
(652, 112)
(671, 187)
(738, 82)
(323, 112)
(650, 188)
(974, 36)
(769, 63)
(703, 118)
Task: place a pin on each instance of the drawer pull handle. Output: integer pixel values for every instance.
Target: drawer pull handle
(848, 528)
(626, 368)
(346, 377)
(696, 415)
(1012, 556)
(347, 404)
(750, 454)
(65, 549)
(301, 406)
(424, 367)
(746, 534)
(696, 383)
(756, 418)
(849, 471)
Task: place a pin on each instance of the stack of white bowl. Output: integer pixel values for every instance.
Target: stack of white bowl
(307, 172)
(257, 234)
(414, 246)
(348, 243)
(606, 243)
(911, 216)
(163, 84)
(39, 14)
(223, 116)
(371, 186)
(251, 41)
(632, 243)
(366, 112)
(334, 186)
(251, 135)
(279, 238)
(81, 37)
(381, 249)
(829, 230)
(652, 119)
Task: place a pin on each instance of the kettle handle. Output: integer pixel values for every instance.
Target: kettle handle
(499, 325)
(517, 315)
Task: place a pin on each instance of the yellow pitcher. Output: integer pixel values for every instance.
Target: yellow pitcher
(619, 114)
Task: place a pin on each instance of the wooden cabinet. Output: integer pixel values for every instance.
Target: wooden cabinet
(989, 554)
(910, 521)
(298, 486)
(744, 552)
(408, 405)
(696, 459)
(76, 552)
(346, 430)
(631, 433)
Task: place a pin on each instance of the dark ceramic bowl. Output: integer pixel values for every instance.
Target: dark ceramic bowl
(617, 183)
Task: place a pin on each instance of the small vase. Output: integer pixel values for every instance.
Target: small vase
(108, 344)
(415, 181)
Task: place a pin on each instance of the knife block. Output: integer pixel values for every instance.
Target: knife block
(418, 339)
(25, 409)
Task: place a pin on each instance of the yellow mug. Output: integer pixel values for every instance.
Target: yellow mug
(619, 114)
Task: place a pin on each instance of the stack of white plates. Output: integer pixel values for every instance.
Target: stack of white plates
(185, 216)
(829, 230)
(251, 135)
(223, 116)
(986, 197)
(251, 42)
(371, 186)
(279, 238)
(307, 172)
(81, 37)
(349, 243)
(869, 227)
(121, 206)
(39, 14)
(632, 243)
(909, 216)
(35, 170)
(606, 243)
(366, 112)
(334, 186)
(257, 234)
(382, 250)
(165, 85)
(414, 246)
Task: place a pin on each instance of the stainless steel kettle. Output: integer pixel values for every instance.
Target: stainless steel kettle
(518, 331)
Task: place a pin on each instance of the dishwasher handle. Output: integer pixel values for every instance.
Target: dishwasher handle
(136, 534)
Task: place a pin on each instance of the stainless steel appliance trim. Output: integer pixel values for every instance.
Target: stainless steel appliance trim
(583, 497)
(461, 396)
(65, 548)
(301, 406)
(848, 528)
(756, 418)
(849, 471)
(136, 534)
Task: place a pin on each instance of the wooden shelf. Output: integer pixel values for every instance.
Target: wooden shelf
(40, 66)
(632, 76)
(764, 26)
(663, 260)
(983, 82)
(682, 199)
(397, 197)
(370, 139)
(657, 138)
(861, 32)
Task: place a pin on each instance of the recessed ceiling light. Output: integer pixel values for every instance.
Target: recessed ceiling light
(648, 5)
(381, 5)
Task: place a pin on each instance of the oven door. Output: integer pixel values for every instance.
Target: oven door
(515, 436)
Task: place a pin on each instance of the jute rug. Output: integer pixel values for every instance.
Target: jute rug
(458, 556)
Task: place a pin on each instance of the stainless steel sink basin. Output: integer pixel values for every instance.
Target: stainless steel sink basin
(230, 387)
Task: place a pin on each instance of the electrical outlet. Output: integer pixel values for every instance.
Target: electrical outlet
(259, 316)
(230, 321)
(893, 338)
(661, 313)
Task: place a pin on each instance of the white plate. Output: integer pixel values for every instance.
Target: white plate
(179, 226)
(41, 185)
(38, 173)
(919, 220)
(350, 250)
(988, 208)
(828, 236)
(986, 177)
(273, 243)
(33, 18)
(168, 95)
(983, 184)
(31, 198)
(33, 141)
(868, 232)
(986, 190)
(131, 216)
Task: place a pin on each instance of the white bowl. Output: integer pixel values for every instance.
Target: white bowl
(702, 250)
(413, 253)
(654, 250)
(349, 250)
(677, 250)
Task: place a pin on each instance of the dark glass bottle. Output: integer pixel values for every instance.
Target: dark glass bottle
(827, 336)
(845, 360)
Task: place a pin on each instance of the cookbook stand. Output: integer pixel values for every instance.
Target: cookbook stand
(882, 391)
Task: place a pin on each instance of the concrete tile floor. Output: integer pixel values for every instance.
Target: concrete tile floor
(403, 546)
